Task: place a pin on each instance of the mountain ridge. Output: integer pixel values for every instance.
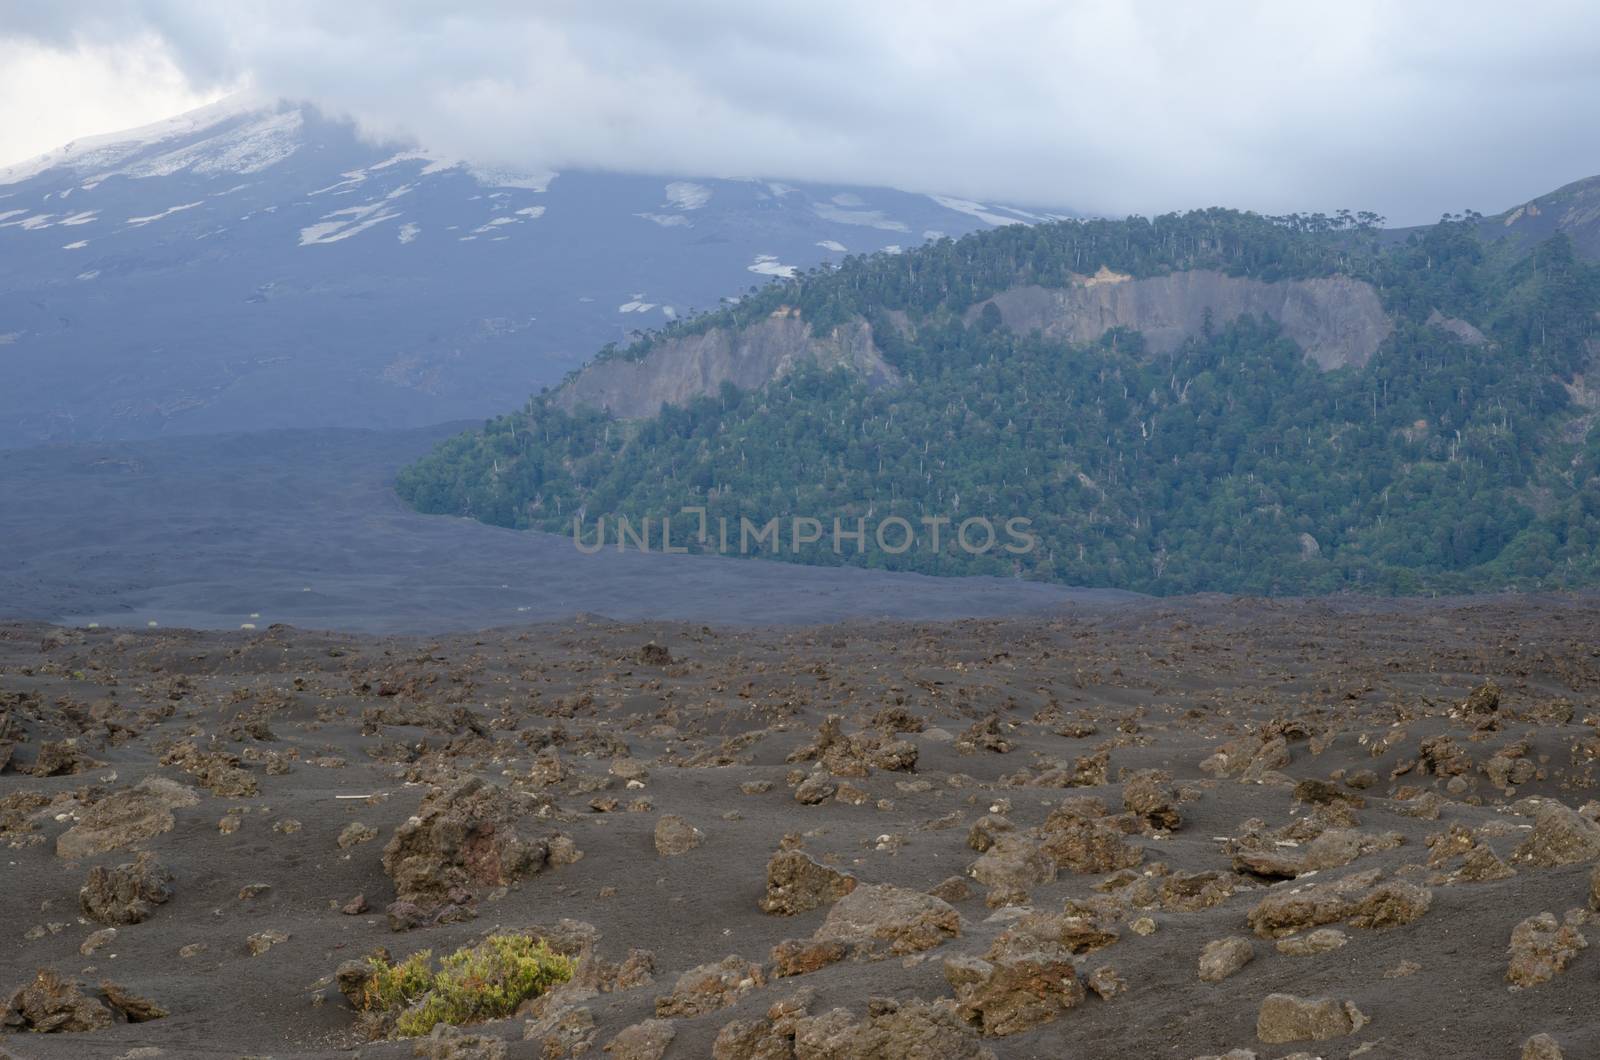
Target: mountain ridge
(258, 265)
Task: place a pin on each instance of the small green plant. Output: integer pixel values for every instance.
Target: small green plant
(482, 982)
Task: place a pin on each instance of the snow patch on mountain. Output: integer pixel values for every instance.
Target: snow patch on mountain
(975, 209)
(768, 265)
(29, 224)
(493, 177)
(849, 213)
(352, 220)
(687, 195)
(139, 222)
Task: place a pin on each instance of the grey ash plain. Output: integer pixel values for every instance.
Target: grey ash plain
(302, 527)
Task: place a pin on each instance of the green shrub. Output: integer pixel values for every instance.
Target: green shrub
(482, 982)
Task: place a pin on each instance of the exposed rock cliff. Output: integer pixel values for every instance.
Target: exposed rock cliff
(678, 370)
(1337, 320)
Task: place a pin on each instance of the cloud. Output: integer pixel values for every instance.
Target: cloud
(1409, 109)
(71, 92)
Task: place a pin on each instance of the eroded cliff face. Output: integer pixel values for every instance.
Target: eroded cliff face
(1337, 320)
(678, 370)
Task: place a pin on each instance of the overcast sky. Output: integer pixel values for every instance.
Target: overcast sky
(1406, 107)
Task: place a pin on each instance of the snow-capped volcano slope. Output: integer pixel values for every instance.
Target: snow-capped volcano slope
(247, 267)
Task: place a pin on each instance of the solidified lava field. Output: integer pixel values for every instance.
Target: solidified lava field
(1155, 829)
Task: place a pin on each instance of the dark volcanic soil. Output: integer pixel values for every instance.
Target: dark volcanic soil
(303, 527)
(268, 746)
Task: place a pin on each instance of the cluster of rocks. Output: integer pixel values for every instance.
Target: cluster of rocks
(856, 754)
(52, 1003)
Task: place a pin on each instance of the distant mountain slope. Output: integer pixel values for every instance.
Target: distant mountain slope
(1212, 401)
(1573, 210)
(249, 267)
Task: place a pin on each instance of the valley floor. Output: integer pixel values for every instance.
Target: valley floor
(303, 527)
(1330, 784)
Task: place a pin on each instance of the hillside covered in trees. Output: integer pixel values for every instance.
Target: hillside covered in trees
(1463, 454)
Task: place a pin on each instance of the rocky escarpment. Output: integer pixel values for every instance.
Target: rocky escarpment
(1337, 320)
(680, 369)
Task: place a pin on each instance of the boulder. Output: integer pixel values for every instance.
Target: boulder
(355, 833)
(1149, 794)
(463, 839)
(642, 1041)
(1392, 903)
(802, 956)
(814, 789)
(981, 836)
(710, 987)
(131, 1006)
(1285, 912)
(1338, 847)
(910, 1029)
(1078, 930)
(768, 1038)
(219, 772)
(127, 894)
(52, 1004)
(126, 817)
(352, 977)
(876, 920)
(1106, 983)
(1485, 699)
(1560, 836)
(1541, 948)
(1014, 991)
(1223, 957)
(675, 836)
(567, 1030)
(1322, 940)
(1013, 862)
(797, 884)
(1286, 1018)
(61, 758)
(1541, 1047)
(1270, 863)
(1081, 845)
(1190, 892)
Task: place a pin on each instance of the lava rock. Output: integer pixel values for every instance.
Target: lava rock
(797, 884)
(1223, 957)
(675, 836)
(1286, 1018)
